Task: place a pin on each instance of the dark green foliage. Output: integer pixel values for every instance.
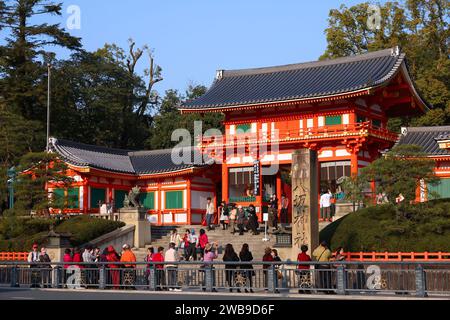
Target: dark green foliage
(419, 227)
(85, 229)
(31, 192)
(419, 27)
(169, 119)
(19, 233)
(400, 171)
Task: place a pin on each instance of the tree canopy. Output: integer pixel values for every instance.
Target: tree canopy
(402, 170)
(419, 27)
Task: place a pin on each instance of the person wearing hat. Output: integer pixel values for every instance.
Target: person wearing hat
(33, 260)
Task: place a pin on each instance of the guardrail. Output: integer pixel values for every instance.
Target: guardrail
(413, 278)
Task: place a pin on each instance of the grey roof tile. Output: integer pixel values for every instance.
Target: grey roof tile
(123, 161)
(298, 81)
(427, 138)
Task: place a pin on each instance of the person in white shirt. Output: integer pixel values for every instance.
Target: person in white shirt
(209, 213)
(175, 238)
(325, 205)
(171, 255)
(193, 242)
(33, 259)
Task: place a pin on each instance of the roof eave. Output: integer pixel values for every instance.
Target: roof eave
(348, 94)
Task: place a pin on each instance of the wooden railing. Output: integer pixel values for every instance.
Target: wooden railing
(350, 256)
(305, 134)
(13, 256)
(397, 256)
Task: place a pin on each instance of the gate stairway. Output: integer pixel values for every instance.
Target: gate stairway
(161, 237)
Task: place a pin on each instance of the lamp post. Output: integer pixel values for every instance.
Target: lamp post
(49, 66)
(11, 179)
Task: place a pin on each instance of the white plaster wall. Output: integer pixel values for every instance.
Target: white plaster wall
(198, 199)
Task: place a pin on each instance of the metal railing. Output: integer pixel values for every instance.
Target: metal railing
(413, 278)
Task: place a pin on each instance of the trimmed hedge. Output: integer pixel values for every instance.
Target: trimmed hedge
(419, 227)
(82, 228)
(85, 228)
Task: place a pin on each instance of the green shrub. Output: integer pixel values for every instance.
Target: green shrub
(18, 234)
(418, 227)
(84, 228)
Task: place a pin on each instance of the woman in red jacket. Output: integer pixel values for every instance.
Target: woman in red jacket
(112, 256)
(202, 242)
(77, 257)
(304, 275)
(159, 268)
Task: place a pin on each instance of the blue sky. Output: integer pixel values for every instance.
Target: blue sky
(193, 38)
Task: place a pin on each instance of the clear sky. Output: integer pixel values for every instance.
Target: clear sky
(193, 38)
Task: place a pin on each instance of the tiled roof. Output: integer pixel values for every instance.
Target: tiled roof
(426, 137)
(122, 161)
(299, 81)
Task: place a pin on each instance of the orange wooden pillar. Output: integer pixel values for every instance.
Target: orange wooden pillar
(189, 193)
(225, 182)
(354, 162)
(85, 197)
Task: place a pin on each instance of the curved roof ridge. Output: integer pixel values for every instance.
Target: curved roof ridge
(428, 129)
(92, 147)
(118, 160)
(308, 64)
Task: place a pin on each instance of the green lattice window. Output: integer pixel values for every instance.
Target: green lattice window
(97, 195)
(119, 196)
(333, 120)
(441, 189)
(174, 199)
(148, 200)
(58, 197)
(242, 128)
(376, 123)
(73, 197)
(360, 118)
(69, 198)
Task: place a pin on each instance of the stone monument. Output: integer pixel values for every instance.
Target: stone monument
(133, 213)
(305, 221)
(56, 245)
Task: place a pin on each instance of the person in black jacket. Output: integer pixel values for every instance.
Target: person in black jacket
(46, 268)
(246, 256)
(252, 219)
(230, 256)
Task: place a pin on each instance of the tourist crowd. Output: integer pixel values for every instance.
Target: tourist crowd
(121, 271)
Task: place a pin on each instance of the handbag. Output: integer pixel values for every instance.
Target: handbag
(279, 275)
(204, 222)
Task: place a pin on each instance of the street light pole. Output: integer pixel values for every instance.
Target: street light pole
(11, 176)
(49, 66)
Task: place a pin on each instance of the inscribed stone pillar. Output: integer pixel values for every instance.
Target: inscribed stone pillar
(305, 221)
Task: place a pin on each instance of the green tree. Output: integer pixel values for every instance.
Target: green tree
(400, 171)
(354, 187)
(169, 118)
(419, 27)
(24, 55)
(17, 137)
(37, 172)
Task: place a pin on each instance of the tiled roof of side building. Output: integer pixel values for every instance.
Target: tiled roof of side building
(123, 161)
(426, 137)
(299, 81)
